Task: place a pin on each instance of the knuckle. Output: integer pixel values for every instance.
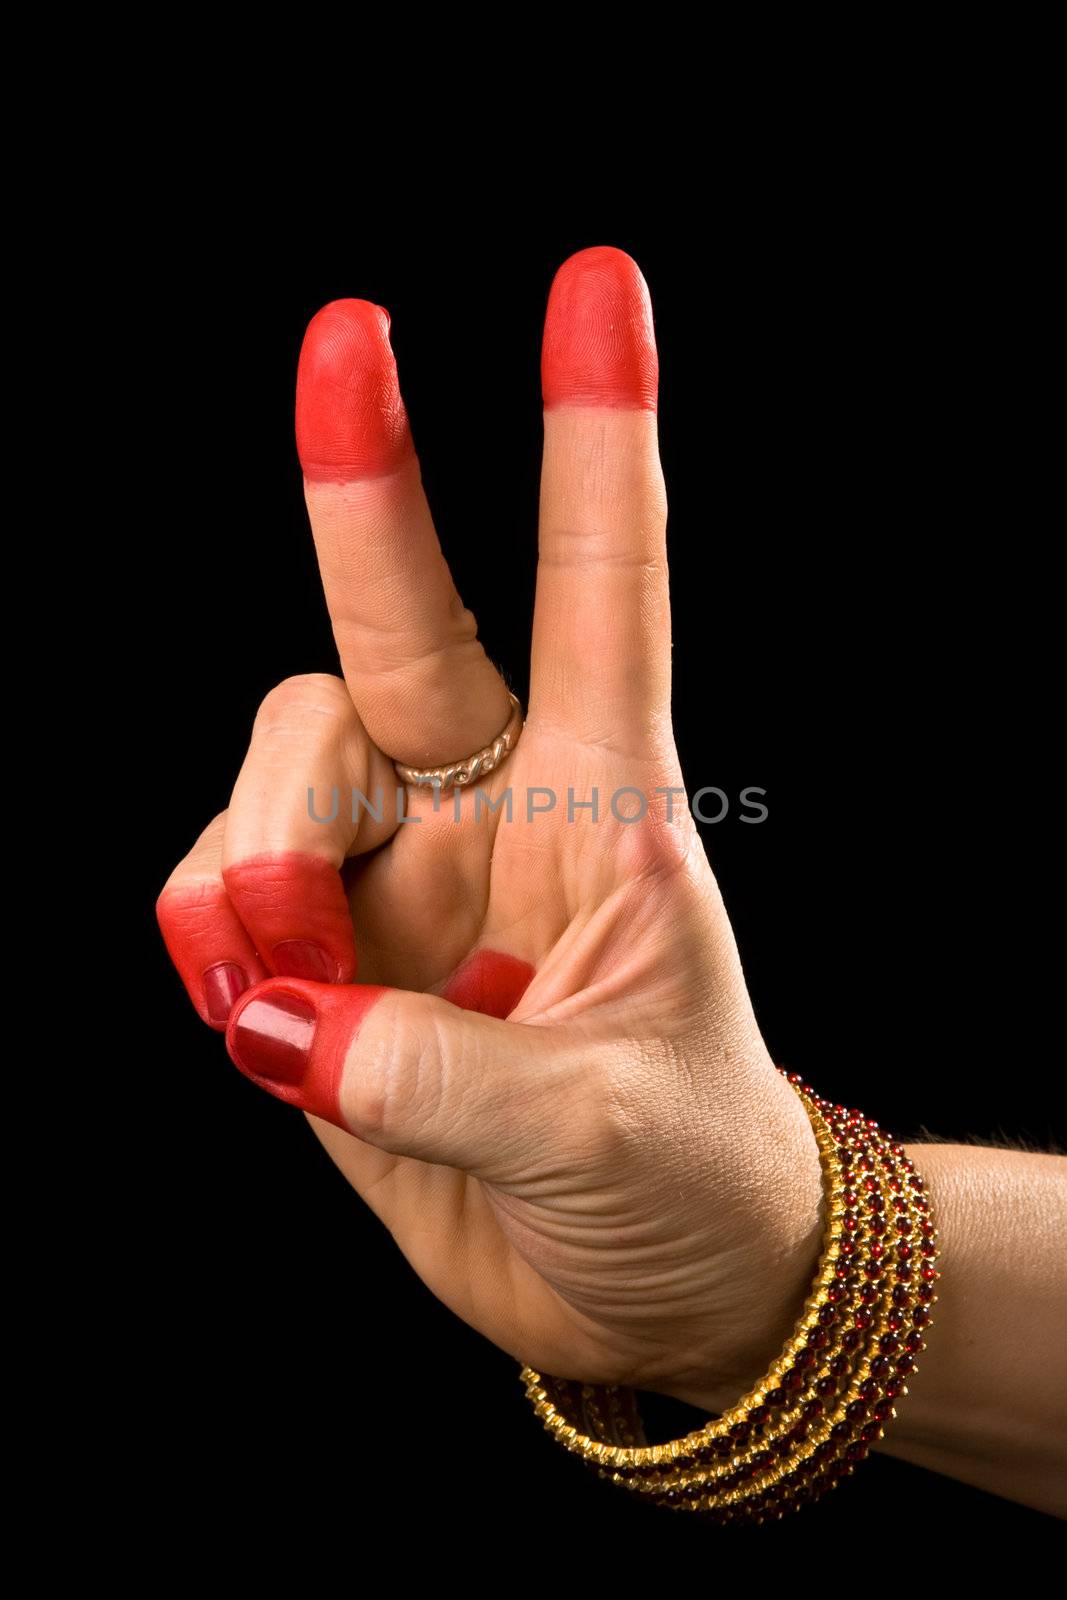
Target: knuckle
(390, 1070)
(658, 847)
(286, 712)
(183, 905)
(195, 880)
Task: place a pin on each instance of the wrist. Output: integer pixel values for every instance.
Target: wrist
(767, 1276)
(805, 1421)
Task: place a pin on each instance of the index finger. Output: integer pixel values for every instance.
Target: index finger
(423, 686)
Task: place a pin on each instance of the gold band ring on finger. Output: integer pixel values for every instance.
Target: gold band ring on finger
(458, 774)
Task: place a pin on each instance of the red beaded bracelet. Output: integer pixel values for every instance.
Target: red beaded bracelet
(833, 1388)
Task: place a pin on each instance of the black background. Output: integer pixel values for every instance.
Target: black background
(843, 583)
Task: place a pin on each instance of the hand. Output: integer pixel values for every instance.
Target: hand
(548, 1081)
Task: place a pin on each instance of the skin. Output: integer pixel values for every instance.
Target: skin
(548, 1080)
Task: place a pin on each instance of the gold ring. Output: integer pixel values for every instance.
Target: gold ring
(459, 773)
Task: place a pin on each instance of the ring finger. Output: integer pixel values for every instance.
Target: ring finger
(261, 892)
(312, 791)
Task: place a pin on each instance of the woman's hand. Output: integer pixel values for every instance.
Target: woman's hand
(614, 1183)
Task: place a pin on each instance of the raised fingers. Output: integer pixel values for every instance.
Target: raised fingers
(423, 685)
(601, 652)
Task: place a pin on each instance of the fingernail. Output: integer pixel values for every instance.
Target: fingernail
(272, 1038)
(222, 985)
(299, 958)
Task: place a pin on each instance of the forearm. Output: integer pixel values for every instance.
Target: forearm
(988, 1403)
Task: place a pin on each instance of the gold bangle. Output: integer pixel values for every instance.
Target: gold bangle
(829, 1394)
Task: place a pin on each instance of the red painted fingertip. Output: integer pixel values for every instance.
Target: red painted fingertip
(350, 419)
(299, 958)
(599, 347)
(224, 983)
(292, 1038)
(210, 948)
(295, 907)
(490, 982)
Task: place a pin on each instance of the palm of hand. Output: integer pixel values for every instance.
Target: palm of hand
(539, 1251)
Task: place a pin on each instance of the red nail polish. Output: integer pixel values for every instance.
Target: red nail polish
(273, 1036)
(299, 958)
(222, 985)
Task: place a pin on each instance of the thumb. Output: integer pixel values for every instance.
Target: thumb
(409, 1073)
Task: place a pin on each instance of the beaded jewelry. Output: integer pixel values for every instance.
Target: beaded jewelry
(832, 1390)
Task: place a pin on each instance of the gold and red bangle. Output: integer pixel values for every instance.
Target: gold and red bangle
(834, 1386)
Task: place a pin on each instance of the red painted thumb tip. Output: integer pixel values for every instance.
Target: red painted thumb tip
(294, 1037)
(271, 1037)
